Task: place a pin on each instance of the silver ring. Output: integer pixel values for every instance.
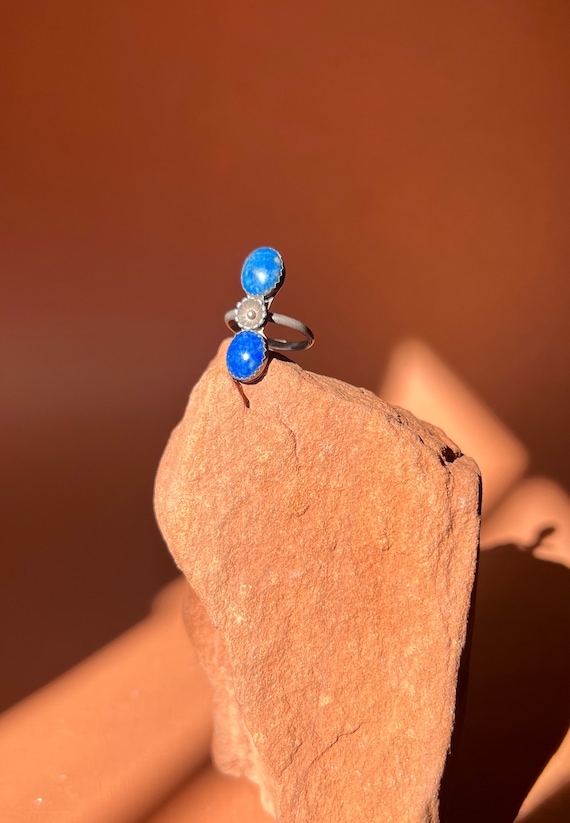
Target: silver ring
(262, 276)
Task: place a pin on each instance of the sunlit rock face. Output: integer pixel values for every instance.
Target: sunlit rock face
(329, 541)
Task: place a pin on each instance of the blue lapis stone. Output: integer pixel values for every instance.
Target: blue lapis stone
(246, 356)
(262, 272)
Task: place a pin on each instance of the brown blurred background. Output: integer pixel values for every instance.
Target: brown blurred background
(410, 161)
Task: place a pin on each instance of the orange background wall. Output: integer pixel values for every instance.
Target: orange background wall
(409, 160)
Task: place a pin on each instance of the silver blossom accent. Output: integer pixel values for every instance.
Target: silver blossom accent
(251, 313)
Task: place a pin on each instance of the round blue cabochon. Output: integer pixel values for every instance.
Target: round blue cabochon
(246, 356)
(262, 271)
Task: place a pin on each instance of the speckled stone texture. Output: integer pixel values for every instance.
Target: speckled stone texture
(330, 542)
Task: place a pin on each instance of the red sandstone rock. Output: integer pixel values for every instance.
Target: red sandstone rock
(330, 542)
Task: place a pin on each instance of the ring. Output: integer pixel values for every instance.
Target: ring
(262, 276)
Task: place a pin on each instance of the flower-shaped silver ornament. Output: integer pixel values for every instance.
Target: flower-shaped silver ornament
(251, 313)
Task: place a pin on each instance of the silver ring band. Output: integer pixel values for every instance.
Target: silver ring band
(279, 320)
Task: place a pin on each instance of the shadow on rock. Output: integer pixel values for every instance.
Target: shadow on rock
(518, 693)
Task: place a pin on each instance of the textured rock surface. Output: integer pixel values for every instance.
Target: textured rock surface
(329, 541)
